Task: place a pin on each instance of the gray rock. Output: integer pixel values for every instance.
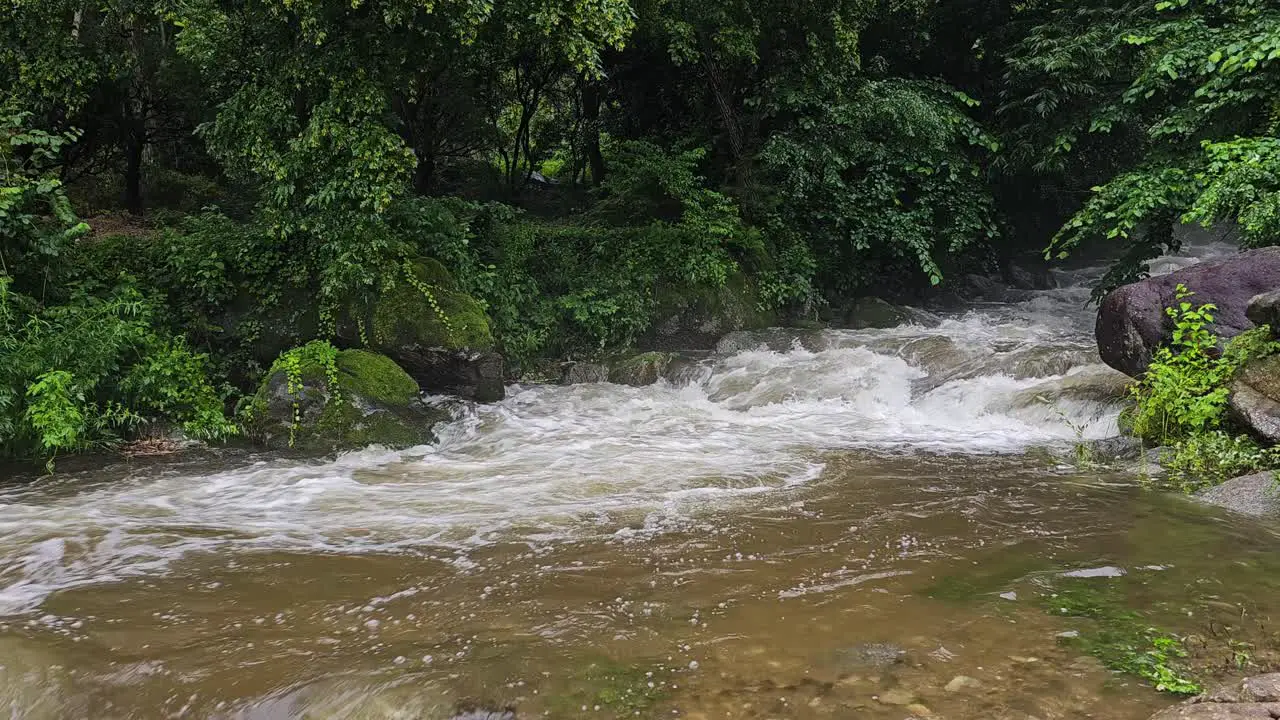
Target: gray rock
(1132, 322)
(872, 312)
(779, 340)
(1257, 495)
(962, 682)
(577, 373)
(1030, 277)
(1264, 309)
(1256, 697)
(1259, 689)
(871, 655)
(485, 715)
(1113, 449)
(1255, 398)
(468, 374)
(641, 370)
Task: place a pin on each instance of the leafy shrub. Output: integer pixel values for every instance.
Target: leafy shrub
(79, 375)
(887, 178)
(1210, 458)
(1184, 391)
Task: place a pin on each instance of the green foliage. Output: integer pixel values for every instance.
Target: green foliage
(1205, 459)
(78, 376)
(891, 178)
(1122, 639)
(1201, 90)
(317, 357)
(1184, 391)
(36, 220)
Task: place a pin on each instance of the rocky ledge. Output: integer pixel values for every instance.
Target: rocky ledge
(1255, 697)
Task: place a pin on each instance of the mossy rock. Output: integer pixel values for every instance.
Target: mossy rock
(426, 308)
(439, 334)
(1255, 398)
(697, 319)
(641, 370)
(363, 399)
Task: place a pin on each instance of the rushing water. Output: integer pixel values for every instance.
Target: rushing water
(806, 524)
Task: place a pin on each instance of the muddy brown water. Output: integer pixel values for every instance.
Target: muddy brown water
(835, 524)
(863, 594)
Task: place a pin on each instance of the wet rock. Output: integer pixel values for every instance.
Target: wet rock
(1262, 689)
(1257, 495)
(897, 696)
(1256, 697)
(485, 715)
(1132, 322)
(1264, 309)
(963, 682)
(641, 370)
(871, 312)
(437, 332)
(364, 399)
(871, 655)
(1115, 449)
(988, 289)
(1255, 398)
(469, 374)
(577, 373)
(779, 340)
(1030, 275)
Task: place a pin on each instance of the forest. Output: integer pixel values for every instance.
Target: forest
(190, 191)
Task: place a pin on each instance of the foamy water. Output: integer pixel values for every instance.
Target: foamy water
(552, 462)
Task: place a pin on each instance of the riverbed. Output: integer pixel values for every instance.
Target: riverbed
(805, 524)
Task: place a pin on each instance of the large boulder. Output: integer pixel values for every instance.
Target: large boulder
(1256, 697)
(1257, 495)
(1132, 322)
(320, 400)
(439, 334)
(1255, 398)
(1264, 309)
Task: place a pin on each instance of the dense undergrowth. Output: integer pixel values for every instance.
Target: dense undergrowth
(256, 177)
(1181, 401)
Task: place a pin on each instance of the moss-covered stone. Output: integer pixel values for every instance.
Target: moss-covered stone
(340, 400)
(426, 308)
(439, 334)
(640, 370)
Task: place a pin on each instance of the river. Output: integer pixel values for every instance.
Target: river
(807, 524)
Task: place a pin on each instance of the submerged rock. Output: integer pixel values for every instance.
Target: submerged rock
(439, 334)
(1257, 495)
(1256, 697)
(1132, 322)
(871, 655)
(365, 399)
(1255, 398)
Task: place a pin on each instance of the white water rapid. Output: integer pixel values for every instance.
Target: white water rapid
(555, 462)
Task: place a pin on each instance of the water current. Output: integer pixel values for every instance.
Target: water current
(806, 524)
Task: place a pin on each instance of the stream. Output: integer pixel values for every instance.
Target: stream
(807, 524)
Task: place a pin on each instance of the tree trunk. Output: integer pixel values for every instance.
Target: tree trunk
(591, 130)
(133, 174)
